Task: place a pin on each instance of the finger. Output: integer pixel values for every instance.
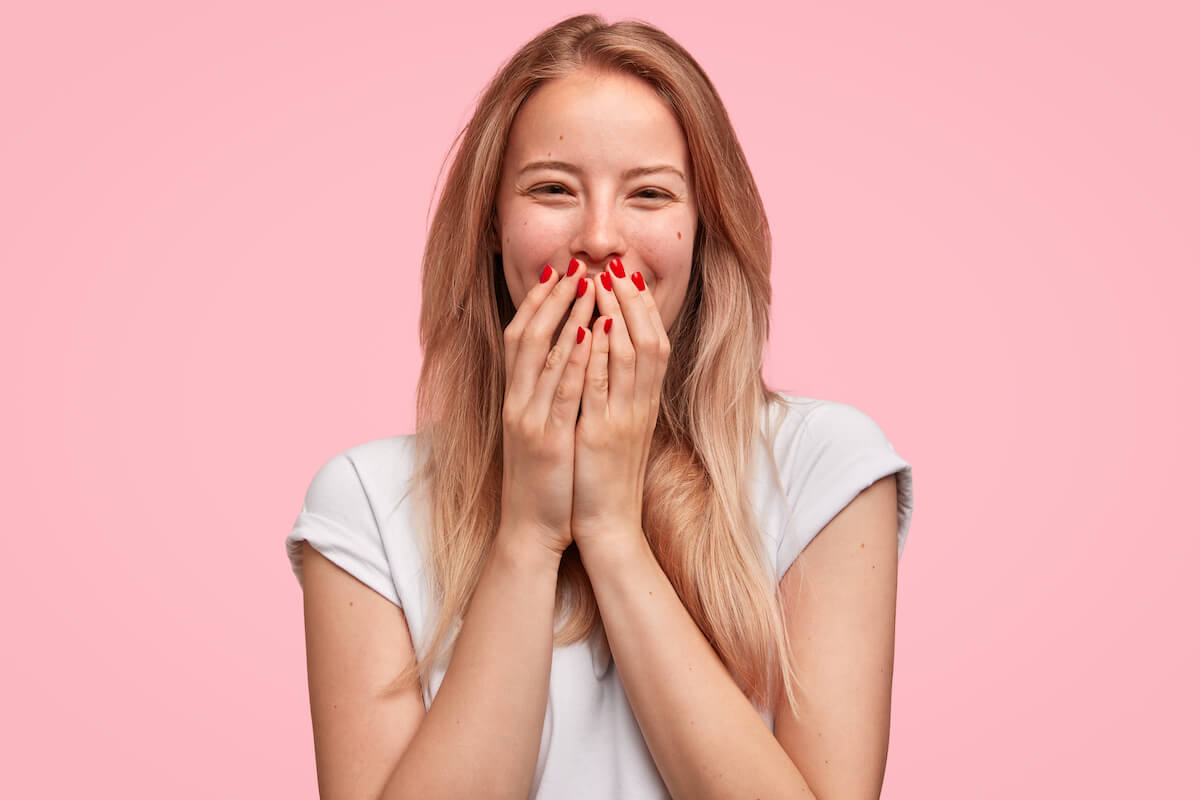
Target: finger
(596, 388)
(532, 341)
(641, 333)
(529, 304)
(548, 394)
(664, 341)
(564, 410)
(621, 355)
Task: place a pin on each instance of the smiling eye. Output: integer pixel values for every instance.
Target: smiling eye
(654, 194)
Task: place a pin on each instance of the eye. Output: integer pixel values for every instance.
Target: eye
(545, 188)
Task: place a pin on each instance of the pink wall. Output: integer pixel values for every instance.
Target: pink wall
(985, 228)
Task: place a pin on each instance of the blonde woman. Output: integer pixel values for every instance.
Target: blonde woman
(582, 576)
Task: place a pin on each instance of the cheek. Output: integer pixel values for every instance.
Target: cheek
(528, 242)
(668, 253)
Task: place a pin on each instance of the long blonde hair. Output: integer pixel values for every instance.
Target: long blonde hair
(696, 511)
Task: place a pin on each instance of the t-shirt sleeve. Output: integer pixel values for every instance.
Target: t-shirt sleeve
(338, 521)
(839, 452)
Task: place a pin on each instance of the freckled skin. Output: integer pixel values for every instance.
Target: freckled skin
(605, 124)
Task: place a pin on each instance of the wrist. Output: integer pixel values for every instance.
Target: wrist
(525, 553)
(612, 550)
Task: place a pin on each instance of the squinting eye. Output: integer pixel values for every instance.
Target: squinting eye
(545, 189)
(549, 186)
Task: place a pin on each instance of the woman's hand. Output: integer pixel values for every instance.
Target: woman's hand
(620, 409)
(541, 405)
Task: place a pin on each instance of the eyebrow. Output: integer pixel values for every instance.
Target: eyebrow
(635, 172)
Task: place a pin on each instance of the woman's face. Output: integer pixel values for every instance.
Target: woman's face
(599, 127)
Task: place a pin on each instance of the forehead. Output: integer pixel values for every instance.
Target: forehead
(596, 120)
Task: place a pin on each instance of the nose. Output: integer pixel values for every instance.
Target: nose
(599, 238)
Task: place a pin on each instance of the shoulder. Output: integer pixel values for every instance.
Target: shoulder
(827, 452)
(809, 428)
(383, 459)
(365, 476)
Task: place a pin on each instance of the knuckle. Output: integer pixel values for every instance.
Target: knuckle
(599, 381)
(529, 429)
(534, 333)
(554, 357)
(564, 392)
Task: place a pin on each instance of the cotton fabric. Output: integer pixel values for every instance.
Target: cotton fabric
(360, 512)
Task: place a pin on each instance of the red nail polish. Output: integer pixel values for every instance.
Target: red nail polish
(579, 336)
(546, 273)
(617, 267)
(607, 281)
(574, 265)
(579, 290)
(608, 325)
(638, 281)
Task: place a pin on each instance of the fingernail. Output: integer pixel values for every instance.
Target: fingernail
(579, 290)
(546, 273)
(608, 325)
(574, 265)
(617, 267)
(638, 281)
(579, 336)
(607, 281)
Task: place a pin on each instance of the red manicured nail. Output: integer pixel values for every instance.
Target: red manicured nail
(638, 281)
(607, 281)
(579, 290)
(546, 273)
(617, 267)
(608, 325)
(574, 265)
(579, 336)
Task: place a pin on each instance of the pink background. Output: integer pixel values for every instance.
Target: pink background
(985, 227)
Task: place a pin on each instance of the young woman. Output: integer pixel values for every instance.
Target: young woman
(581, 576)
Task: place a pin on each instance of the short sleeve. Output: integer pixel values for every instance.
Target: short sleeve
(839, 452)
(338, 521)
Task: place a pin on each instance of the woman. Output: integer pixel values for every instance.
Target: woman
(601, 478)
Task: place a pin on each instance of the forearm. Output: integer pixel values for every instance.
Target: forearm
(706, 737)
(481, 735)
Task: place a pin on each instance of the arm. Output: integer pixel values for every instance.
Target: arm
(841, 619)
(706, 738)
(481, 736)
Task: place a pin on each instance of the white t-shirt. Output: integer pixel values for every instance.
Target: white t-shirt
(359, 514)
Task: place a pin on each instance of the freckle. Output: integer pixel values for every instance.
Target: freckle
(560, 137)
(863, 544)
(678, 235)
(351, 602)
